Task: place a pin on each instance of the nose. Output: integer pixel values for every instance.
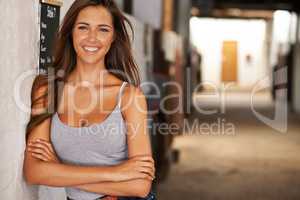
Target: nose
(92, 36)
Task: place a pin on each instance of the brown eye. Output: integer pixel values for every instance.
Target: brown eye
(82, 28)
(104, 30)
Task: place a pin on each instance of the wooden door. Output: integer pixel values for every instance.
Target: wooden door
(229, 61)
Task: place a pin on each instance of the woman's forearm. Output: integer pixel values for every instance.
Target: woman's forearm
(62, 175)
(39, 170)
(133, 188)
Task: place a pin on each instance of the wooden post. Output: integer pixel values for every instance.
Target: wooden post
(168, 15)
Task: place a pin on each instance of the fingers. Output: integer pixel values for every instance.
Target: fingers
(51, 150)
(144, 175)
(143, 158)
(145, 161)
(40, 157)
(137, 167)
(39, 154)
(42, 150)
(47, 144)
(148, 174)
(148, 170)
(145, 166)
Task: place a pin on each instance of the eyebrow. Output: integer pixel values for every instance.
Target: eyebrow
(100, 25)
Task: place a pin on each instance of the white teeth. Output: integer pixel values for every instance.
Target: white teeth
(92, 49)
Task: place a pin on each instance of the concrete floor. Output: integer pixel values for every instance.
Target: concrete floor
(254, 163)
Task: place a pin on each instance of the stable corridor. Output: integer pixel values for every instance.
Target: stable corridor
(254, 163)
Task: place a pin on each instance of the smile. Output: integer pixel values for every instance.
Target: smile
(91, 49)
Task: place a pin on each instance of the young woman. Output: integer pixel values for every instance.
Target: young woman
(88, 126)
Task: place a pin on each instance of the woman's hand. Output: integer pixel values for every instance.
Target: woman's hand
(42, 150)
(138, 167)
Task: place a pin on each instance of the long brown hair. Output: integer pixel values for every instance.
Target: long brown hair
(118, 61)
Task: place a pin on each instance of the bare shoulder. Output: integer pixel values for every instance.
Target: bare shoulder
(132, 91)
(133, 99)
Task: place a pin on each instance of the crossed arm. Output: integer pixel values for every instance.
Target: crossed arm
(113, 180)
(130, 178)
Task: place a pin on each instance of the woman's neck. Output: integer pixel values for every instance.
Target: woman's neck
(91, 73)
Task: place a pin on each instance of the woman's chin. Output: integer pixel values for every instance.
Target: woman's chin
(91, 61)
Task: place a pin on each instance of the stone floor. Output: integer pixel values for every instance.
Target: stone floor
(245, 161)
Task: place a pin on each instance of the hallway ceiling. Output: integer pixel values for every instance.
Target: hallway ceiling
(293, 5)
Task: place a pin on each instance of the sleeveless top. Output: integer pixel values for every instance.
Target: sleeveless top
(100, 144)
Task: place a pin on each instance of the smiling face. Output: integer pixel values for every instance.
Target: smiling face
(93, 34)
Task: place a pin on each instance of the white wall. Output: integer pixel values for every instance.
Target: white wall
(208, 35)
(296, 79)
(65, 7)
(18, 53)
(296, 74)
(149, 12)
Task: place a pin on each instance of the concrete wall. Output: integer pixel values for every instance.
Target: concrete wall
(19, 60)
(208, 36)
(296, 78)
(65, 7)
(18, 53)
(296, 81)
(149, 12)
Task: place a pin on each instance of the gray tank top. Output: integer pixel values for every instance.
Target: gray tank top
(100, 144)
